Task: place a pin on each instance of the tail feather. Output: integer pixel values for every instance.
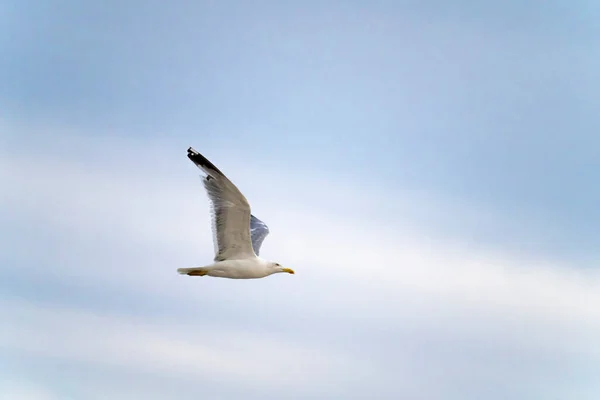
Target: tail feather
(194, 271)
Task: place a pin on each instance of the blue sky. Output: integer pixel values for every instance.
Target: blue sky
(427, 168)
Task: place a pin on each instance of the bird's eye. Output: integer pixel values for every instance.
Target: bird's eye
(277, 264)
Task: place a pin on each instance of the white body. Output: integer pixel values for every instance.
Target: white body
(247, 268)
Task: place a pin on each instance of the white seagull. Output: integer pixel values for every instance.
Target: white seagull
(237, 234)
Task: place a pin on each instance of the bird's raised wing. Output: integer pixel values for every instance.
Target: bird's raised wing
(230, 212)
(258, 232)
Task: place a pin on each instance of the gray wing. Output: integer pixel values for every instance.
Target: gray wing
(258, 232)
(230, 212)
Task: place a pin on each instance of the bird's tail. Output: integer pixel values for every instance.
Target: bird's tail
(193, 271)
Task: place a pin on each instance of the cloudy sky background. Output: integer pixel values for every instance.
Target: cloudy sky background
(429, 169)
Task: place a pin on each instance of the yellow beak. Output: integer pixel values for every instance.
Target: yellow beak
(288, 270)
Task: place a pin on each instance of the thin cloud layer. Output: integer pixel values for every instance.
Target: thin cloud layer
(370, 303)
(428, 170)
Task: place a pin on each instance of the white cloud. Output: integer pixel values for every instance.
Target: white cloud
(23, 390)
(187, 351)
(360, 280)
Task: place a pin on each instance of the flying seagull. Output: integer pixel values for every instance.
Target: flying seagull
(237, 234)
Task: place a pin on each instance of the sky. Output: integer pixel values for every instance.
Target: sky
(427, 168)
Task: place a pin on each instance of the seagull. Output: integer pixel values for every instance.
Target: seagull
(237, 234)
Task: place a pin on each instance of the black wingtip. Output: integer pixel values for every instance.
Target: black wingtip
(201, 161)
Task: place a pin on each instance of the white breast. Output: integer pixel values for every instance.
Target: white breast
(240, 269)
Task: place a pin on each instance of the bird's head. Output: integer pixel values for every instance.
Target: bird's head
(278, 268)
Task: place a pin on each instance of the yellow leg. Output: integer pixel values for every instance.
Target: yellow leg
(197, 273)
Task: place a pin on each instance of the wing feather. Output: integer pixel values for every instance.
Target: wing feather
(230, 212)
(258, 232)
